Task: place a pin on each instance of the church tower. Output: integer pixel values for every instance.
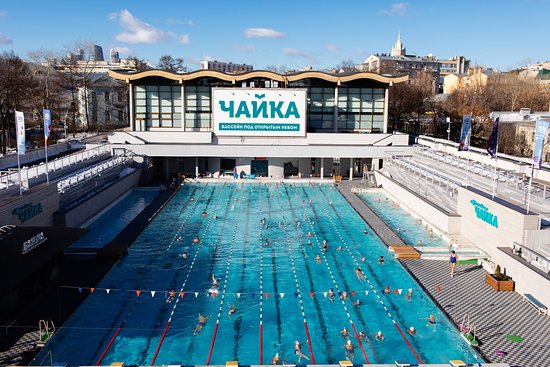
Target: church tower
(399, 49)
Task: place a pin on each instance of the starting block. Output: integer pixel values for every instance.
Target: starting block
(402, 364)
(457, 363)
(118, 364)
(231, 363)
(345, 363)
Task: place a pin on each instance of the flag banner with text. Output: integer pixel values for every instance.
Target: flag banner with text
(20, 128)
(47, 124)
(465, 133)
(540, 134)
(493, 140)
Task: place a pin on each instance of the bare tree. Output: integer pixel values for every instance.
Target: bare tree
(16, 84)
(167, 62)
(346, 66)
(137, 64)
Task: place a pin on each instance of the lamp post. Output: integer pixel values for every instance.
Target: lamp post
(448, 120)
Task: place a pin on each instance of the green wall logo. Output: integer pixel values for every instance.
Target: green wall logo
(28, 211)
(259, 112)
(483, 213)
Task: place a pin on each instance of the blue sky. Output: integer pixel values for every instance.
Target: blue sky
(493, 33)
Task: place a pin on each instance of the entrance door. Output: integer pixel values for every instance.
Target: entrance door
(259, 167)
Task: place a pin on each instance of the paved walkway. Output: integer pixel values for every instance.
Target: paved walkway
(496, 314)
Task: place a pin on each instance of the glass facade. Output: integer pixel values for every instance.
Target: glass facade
(157, 105)
(356, 108)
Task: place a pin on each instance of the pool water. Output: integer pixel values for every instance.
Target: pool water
(279, 291)
(406, 226)
(105, 227)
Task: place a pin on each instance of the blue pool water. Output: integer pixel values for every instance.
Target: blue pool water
(109, 224)
(396, 217)
(278, 290)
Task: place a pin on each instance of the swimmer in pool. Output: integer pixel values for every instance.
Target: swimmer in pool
(380, 336)
(276, 359)
(381, 260)
(344, 333)
(431, 320)
(344, 295)
(331, 294)
(201, 321)
(309, 234)
(298, 351)
(409, 295)
(363, 336)
(318, 258)
(387, 290)
(204, 213)
(412, 331)
(350, 350)
(215, 282)
(232, 310)
(339, 248)
(171, 296)
(365, 231)
(196, 239)
(360, 275)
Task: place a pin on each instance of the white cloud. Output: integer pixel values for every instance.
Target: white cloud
(332, 48)
(123, 50)
(179, 21)
(300, 54)
(263, 33)
(185, 39)
(245, 48)
(136, 31)
(399, 9)
(4, 40)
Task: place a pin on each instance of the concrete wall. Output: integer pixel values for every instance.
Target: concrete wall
(80, 214)
(444, 221)
(45, 195)
(512, 225)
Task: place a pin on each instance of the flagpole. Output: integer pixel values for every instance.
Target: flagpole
(468, 152)
(46, 136)
(495, 181)
(530, 182)
(19, 174)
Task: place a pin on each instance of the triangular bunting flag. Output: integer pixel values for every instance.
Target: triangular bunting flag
(196, 294)
(92, 290)
(353, 293)
(238, 295)
(182, 294)
(153, 293)
(282, 295)
(366, 293)
(325, 294)
(214, 294)
(79, 290)
(400, 291)
(312, 294)
(107, 290)
(253, 295)
(138, 292)
(296, 294)
(396, 291)
(266, 295)
(339, 294)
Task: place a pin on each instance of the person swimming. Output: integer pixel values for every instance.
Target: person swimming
(309, 234)
(196, 239)
(381, 260)
(325, 246)
(171, 296)
(350, 350)
(365, 231)
(276, 359)
(379, 336)
(431, 320)
(318, 258)
(201, 322)
(344, 333)
(344, 295)
(409, 295)
(215, 282)
(331, 294)
(339, 248)
(298, 351)
(387, 290)
(412, 331)
(232, 310)
(360, 275)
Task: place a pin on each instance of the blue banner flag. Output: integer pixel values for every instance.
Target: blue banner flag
(493, 140)
(540, 133)
(20, 128)
(47, 124)
(465, 133)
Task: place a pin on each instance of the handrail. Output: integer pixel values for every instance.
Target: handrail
(11, 177)
(90, 172)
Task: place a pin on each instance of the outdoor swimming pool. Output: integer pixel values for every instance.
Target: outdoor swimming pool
(108, 224)
(410, 230)
(279, 291)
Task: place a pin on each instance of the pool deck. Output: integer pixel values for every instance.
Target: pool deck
(496, 314)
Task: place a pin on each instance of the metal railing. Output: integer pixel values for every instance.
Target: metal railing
(89, 173)
(10, 177)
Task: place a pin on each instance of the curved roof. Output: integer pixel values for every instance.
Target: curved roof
(284, 78)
